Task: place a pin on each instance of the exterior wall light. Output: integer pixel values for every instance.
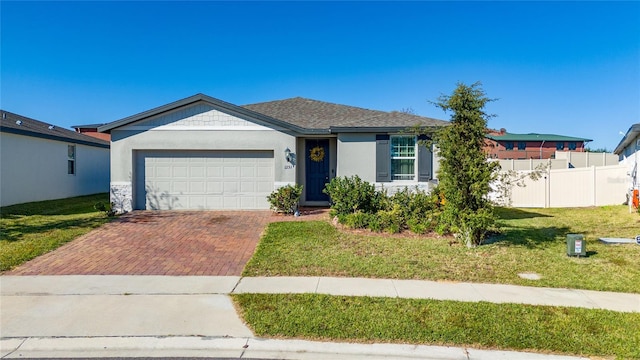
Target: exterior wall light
(287, 154)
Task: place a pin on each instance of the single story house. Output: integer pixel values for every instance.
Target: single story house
(41, 161)
(628, 151)
(503, 145)
(204, 153)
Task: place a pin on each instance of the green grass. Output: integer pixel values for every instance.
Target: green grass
(32, 229)
(532, 240)
(576, 331)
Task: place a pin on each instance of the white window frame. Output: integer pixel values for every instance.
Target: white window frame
(71, 159)
(414, 158)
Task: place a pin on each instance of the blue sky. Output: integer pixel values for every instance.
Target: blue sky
(570, 68)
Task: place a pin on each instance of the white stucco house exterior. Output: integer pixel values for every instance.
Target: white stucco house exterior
(39, 161)
(204, 153)
(628, 151)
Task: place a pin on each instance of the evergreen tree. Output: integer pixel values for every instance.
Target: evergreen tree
(465, 173)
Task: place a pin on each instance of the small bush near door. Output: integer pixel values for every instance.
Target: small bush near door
(285, 199)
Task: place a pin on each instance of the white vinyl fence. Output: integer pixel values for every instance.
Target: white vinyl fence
(593, 186)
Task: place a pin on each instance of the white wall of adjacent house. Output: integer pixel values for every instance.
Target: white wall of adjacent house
(630, 157)
(35, 169)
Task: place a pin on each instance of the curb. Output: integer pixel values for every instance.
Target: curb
(244, 348)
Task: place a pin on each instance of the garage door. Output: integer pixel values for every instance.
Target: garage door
(203, 179)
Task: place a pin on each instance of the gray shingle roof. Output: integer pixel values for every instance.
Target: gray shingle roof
(314, 114)
(18, 124)
(300, 115)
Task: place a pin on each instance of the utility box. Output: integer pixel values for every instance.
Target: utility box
(576, 246)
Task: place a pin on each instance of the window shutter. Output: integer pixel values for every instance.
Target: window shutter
(425, 161)
(383, 158)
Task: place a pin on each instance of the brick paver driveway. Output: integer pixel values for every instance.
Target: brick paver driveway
(162, 243)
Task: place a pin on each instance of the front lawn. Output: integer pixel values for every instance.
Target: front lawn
(32, 229)
(532, 241)
(565, 330)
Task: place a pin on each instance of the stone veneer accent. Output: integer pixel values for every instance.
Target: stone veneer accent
(121, 197)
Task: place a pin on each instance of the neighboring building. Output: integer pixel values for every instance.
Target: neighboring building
(628, 151)
(504, 145)
(40, 161)
(204, 153)
(92, 130)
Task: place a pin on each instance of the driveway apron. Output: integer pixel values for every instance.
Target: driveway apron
(212, 243)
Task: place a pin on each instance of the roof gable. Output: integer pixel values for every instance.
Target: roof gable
(196, 116)
(214, 103)
(22, 125)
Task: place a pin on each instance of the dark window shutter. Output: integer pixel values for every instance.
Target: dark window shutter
(425, 161)
(383, 158)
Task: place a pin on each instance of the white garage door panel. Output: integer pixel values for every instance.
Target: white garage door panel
(205, 179)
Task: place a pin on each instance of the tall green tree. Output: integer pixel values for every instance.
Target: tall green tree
(465, 174)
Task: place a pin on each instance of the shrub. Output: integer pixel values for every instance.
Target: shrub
(107, 209)
(352, 194)
(357, 204)
(392, 220)
(357, 220)
(285, 199)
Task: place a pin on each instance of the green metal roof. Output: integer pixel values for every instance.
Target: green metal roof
(535, 137)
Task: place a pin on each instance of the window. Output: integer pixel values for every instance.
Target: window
(572, 145)
(522, 145)
(403, 158)
(71, 159)
(560, 145)
(508, 145)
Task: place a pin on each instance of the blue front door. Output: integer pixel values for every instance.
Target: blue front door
(317, 169)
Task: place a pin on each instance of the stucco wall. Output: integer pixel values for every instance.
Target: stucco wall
(357, 156)
(125, 142)
(35, 169)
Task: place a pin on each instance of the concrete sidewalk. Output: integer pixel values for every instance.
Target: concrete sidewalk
(415, 289)
(89, 316)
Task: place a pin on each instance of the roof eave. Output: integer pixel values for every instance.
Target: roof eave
(505, 138)
(373, 129)
(35, 134)
(632, 133)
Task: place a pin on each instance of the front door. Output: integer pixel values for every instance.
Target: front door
(317, 169)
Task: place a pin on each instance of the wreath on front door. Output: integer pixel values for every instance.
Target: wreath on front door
(317, 154)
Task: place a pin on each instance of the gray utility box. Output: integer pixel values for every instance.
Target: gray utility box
(576, 246)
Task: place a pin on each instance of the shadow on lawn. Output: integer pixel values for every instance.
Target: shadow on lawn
(69, 206)
(514, 214)
(531, 237)
(15, 232)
